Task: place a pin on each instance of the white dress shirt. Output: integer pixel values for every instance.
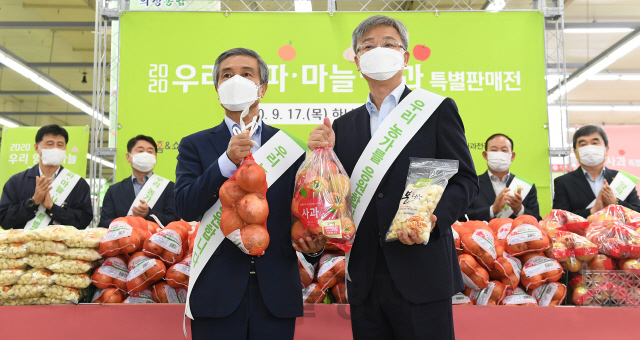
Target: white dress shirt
(597, 184)
(389, 103)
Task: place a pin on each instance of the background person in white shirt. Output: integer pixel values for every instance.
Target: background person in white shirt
(494, 184)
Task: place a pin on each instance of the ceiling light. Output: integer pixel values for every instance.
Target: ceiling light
(27, 72)
(495, 5)
(590, 107)
(604, 76)
(8, 123)
(618, 108)
(302, 5)
(102, 161)
(598, 30)
(626, 108)
(630, 77)
(614, 53)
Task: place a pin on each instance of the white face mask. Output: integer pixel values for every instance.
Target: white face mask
(498, 161)
(53, 156)
(591, 155)
(381, 63)
(143, 161)
(238, 93)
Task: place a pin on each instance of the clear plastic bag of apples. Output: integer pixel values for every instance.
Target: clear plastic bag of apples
(322, 201)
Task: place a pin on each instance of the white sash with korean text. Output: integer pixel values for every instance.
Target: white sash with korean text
(209, 235)
(61, 188)
(385, 145)
(150, 192)
(622, 186)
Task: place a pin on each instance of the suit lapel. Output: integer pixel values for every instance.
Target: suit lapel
(486, 188)
(219, 138)
(583, 184)
(127, 186)
(362, 122)
(267, 133)
(609, 175)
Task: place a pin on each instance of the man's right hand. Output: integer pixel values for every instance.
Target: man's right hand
(42, 188)
(501, 201)
(239, 148)
(322, 136)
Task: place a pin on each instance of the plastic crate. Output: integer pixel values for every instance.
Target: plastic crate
(611, 288)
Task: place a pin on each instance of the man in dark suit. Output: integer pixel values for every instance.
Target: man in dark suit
(586, 190)
(494, 184)
(238, 296)
(25, 192)
(119, 199)
(400, 290)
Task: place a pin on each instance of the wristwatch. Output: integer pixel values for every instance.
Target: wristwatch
(31, 203)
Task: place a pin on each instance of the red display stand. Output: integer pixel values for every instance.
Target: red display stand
(164, 321)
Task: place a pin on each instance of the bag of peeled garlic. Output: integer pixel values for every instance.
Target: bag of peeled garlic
(426, 181)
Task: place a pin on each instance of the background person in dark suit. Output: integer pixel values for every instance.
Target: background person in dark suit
(25, 191)
(238, 296)
(576, 190)
(494, 184)
(141, 155)
(400, 290)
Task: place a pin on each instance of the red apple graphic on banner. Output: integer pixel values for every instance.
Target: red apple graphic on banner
(287, 52)
(421, 52)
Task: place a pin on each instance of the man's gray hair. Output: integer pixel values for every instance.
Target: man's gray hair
(264, 70)
(378, 20)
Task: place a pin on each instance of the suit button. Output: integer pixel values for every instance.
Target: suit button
(380, 195)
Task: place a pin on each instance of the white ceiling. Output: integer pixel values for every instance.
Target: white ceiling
(46, 45)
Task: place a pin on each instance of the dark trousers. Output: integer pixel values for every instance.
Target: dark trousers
(251, 320)
(385, 314)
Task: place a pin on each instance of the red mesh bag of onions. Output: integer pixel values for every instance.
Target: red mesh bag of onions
(245, 209)
(322, 201)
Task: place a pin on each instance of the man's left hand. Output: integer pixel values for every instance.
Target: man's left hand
(411, 238)
(141, 210)
(608, 197)
(48, 203)
(515, 201)
(310, 246)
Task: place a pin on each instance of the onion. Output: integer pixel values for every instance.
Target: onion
(251, 177)
(255, 239)
(253, 209)
(230, 221)
(230, 193)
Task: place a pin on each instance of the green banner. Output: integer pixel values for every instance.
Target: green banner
(491, 64)
(18, 151)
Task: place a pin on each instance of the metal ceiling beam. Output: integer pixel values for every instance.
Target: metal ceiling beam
(59, 65)
(594, 25)
(569, 65)
(53, 6)
(47, 25)
(43, 75)
(41, 93)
